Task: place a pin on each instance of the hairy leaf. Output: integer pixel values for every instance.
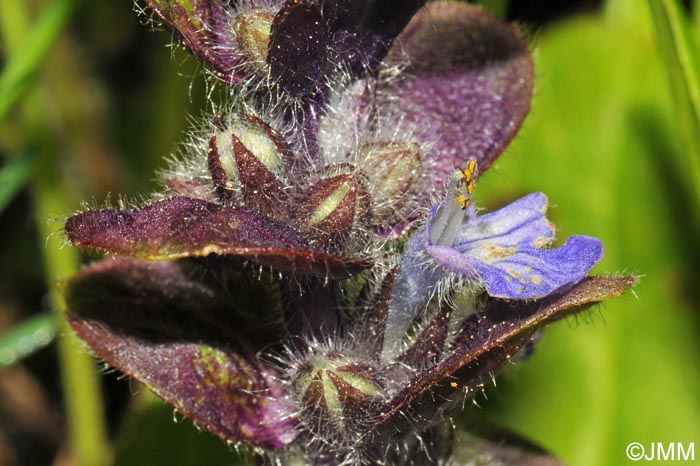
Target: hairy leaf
(312, 40)
(490, 338)
(185, 227)
(467, 88)
(183, 339)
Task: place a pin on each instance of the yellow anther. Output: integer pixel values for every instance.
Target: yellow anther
(454, 384)
(470, 187)
(469, 170)
(466, 185)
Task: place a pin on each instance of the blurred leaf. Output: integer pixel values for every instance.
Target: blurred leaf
(26, 338)
(599, 142)
(14, 175)
(156, 436)
(628, 13)
(18, 75)
(678, 47)
(497, 8)
(86, 441)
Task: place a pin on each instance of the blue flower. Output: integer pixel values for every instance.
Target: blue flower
(503, 253)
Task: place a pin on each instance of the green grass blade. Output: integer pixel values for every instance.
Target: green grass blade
(14, 175)
(678, 48)
(26, 46)
(19, 74)
(26, 338)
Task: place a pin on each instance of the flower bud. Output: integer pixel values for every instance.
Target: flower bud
(338, 390)
(247, 163)
(252, 32)
(334, 207)
(393, 169)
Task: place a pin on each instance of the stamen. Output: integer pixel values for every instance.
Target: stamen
(451, 213)
(467, 184)
(469, 172)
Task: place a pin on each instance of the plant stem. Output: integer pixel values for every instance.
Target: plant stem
(88, 443)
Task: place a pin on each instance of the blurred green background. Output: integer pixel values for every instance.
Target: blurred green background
(91, 101)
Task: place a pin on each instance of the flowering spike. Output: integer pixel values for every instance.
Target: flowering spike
(366, 370)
